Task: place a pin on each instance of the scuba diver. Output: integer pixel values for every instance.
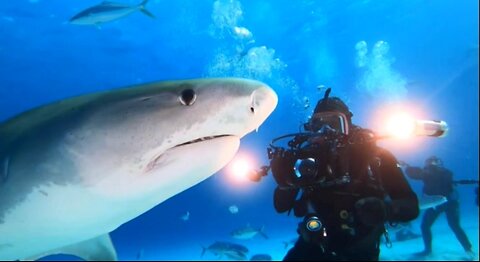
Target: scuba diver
(438, 180)
(342, 184)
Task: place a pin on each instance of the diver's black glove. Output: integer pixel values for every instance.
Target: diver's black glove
(371, 211)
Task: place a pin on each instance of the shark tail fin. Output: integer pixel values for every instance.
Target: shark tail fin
(144, 10)
(262, 233)
(204, 249)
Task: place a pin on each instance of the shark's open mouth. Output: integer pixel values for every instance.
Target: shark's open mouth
(201, 140)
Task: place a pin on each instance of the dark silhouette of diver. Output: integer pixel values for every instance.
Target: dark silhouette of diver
(349, 188)
(438, 180)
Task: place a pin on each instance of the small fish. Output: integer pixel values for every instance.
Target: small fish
(107, 11)
(291, 242)
(227, 249)
(248, 232)
(185, 216)
(140, 254)
(261, 257)
(306, 102)
(233, 209)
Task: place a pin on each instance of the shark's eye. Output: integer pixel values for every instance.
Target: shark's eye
(187, 97)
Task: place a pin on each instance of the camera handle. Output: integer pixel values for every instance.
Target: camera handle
(256, 175)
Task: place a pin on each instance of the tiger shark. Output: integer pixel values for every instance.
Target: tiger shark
(74, 170)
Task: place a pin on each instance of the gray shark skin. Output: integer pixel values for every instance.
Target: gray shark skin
(77, 169)
(107, 11)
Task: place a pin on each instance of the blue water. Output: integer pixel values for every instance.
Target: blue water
(419, 54)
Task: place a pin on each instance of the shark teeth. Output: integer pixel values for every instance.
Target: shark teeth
(200, 140)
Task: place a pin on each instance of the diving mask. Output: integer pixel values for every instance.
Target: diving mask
(328, 121)
(433, 161)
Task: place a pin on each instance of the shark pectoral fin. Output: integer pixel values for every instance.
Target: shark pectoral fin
(145, 11)
(97, 249)
(262, 233)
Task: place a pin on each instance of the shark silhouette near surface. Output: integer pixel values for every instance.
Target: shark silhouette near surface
(75, 170)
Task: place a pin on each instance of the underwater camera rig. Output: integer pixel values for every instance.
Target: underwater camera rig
(311, 159)
(314, 159)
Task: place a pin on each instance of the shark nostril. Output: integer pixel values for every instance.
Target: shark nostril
(253, 101)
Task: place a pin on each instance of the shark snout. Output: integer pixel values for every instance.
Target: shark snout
(263, 101)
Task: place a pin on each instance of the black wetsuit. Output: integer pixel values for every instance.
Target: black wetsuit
(344, 236)
(439, 181)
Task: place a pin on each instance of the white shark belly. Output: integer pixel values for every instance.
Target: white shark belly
(51, 217)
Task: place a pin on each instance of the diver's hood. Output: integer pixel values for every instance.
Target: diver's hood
(332, 104)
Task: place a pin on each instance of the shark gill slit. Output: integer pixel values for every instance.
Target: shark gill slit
(6, 163)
